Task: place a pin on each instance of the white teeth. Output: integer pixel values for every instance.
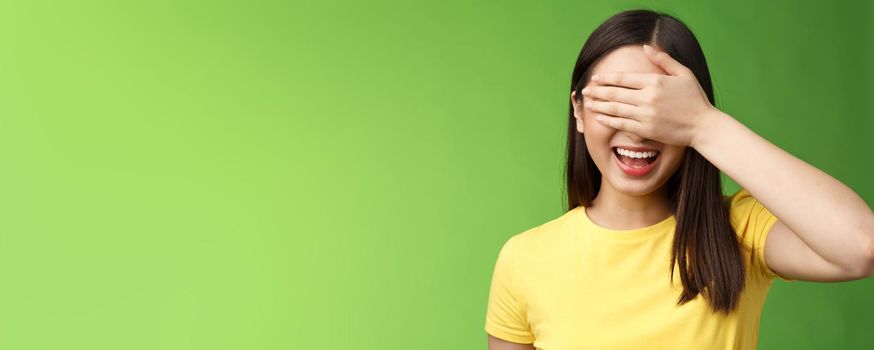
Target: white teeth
(633, 154)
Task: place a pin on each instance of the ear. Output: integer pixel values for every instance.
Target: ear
(578, 110)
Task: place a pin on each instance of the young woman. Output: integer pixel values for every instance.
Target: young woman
(651, 254)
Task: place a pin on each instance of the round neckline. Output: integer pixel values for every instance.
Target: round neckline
(591, 227)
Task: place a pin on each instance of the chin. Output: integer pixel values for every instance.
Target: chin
(635, 187)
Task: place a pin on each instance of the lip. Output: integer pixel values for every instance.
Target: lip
(632, 171)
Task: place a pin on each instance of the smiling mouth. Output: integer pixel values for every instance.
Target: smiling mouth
(635, 162)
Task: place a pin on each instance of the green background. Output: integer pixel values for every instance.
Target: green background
(341, 175)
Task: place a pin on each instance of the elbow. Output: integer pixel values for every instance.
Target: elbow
(868, 270)
(861, 264)
(869, 267)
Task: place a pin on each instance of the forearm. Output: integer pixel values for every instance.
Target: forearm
(826, 215)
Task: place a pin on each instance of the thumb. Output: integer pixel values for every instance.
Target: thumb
(665, 61)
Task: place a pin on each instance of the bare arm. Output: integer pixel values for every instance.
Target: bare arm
(825, 230)
(500, 344)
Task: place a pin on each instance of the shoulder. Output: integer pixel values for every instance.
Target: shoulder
(750, 219)
(737, 200)
(739, 205)
(544, 234)
(743, 207)
(739, 196)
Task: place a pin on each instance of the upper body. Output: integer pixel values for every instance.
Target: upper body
(570, 283)
(645, 141)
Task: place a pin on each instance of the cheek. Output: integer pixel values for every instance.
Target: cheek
(590, 123)
(675, 158)
(597, 144)
(598, 129)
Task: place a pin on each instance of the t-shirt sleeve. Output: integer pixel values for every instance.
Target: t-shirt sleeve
(506, 314)
(752, 223)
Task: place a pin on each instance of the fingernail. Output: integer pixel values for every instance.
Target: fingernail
(586, 91)
(588, 104)
(647, 48)
(599, 118)
(595, 77)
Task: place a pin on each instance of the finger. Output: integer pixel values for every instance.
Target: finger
(665, 61)
(615, 94)
(614, 108)
(630, 80)
(626, 124)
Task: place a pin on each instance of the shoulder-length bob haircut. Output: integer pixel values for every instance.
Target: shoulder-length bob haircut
(705, 245)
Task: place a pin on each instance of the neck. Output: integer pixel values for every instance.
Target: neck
(616, 210)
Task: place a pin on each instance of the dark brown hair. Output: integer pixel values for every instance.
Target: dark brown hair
(705, 246)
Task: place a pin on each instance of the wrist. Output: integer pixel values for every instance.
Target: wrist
(708, 123)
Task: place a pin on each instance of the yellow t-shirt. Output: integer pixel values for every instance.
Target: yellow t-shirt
(571, 284)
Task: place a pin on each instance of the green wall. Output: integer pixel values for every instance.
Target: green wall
(274, 174)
